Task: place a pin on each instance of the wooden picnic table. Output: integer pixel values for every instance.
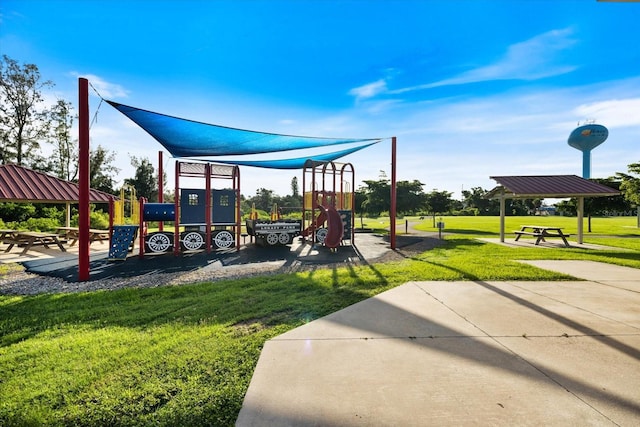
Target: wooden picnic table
(6, 233)
(28, 239)
(73, 234)
(540, 232)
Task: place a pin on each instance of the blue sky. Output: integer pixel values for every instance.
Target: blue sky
(471, 89)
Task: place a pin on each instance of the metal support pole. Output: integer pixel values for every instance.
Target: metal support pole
(83, 179)
(160, 186)
(207, 206)
(392, 212)
(176, 204)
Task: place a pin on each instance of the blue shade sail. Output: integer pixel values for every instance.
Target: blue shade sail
(296, 163)
(188, 138)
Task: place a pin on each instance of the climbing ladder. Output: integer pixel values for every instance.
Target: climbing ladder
(122, 239)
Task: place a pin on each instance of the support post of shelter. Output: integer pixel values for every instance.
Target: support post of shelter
(392, 213)
(67, 217)
(502, 213)
(83, 179)
(580, 219)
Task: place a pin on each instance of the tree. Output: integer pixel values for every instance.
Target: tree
(145, 180)
(65, 155)
(438, 202)
(597, 206)
(521, 207)
(378, 197)
(630, 185)
(375, 198)
(476, 198)
(101, 170)
(295, 189)
(263, 199)
(410, 197)
(23, 120)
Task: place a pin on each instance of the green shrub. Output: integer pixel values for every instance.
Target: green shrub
(97, 219)
(467, 212)
(55, 212)
(39, 224)
(261, 215)
(17, 211)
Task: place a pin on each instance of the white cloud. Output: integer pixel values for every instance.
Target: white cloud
(612, 113)
(369, 90)
(528, 60)
(104, 88)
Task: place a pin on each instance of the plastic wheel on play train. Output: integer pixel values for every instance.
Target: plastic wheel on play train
(272, 239)
(192, 241)
(159, 242)
(223, 239)
(285, 238)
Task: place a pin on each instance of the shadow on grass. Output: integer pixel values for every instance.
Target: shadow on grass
(270, 299)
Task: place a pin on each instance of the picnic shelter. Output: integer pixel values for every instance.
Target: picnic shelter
(23, 185)
(547, 186)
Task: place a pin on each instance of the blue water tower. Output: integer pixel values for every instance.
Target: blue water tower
(585, 138)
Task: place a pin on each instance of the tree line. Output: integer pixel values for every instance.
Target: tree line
(26, 124)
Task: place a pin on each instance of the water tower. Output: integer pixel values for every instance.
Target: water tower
(585, 138)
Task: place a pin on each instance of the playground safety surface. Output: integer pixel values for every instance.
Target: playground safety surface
(250, 260)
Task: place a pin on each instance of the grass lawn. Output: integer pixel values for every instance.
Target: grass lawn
(185, 355)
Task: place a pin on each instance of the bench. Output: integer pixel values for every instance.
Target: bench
(541, 232)
(527, 233)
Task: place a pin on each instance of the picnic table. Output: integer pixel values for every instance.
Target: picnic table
(73, 234)
(6, 233)
(28, 239)
(541, 232)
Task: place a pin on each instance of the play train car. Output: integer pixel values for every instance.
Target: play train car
(274, 232)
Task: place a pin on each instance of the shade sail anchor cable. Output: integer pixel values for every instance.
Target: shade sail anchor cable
(95, 115)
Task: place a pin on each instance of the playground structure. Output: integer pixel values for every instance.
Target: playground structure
(185, 138)
(328, 202)
(274, 231)
(327, 211)
(202, 218)
(206, 219)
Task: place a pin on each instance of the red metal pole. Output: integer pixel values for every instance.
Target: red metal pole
(111, 214)
(392, 212)
(83, 179)
(207, 206)
(176, 230)
(141, 228)
(160, 186)
(236, 187)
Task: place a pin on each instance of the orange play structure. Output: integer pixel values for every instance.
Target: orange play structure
(328, 202)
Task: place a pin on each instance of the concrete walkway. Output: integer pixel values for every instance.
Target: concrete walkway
(463, 353)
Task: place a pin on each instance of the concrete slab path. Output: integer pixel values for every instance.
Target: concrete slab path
(461, 353)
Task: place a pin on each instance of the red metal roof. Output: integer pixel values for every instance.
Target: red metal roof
(552, 186)
(20, 184)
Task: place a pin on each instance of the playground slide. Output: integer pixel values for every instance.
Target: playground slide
(335, 228)
(318, 222)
